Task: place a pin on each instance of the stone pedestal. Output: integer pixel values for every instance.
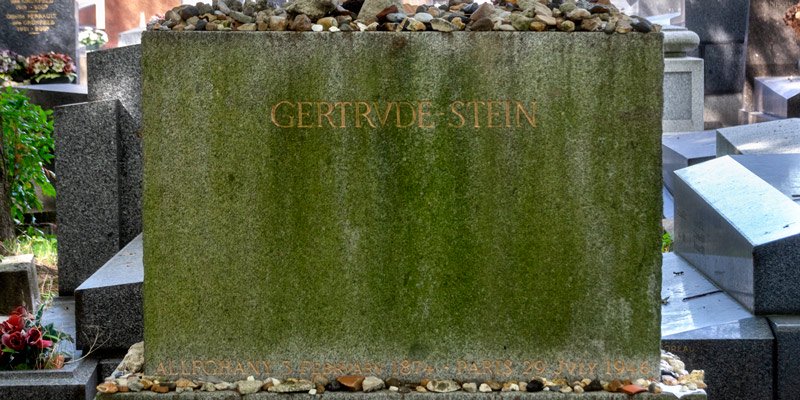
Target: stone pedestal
(18, 284)
(683, 82)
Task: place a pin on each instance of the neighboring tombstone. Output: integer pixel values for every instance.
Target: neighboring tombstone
(30, 27)
(683, 82)
(777, 97)
(741, 232)
(774, 137)
(18, 283)
(685, 149)
(358, 214)
(100, 182)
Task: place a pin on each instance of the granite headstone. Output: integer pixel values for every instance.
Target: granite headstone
(490, 220)
(30, 27)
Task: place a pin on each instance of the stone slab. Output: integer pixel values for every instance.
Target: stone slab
(724, 65)
(782, 171)
(787, 344)
(782, 136)
(740, 232)
(88, 185)
(718, 21)
(76, 381)
(778, 96)
(683, 94)
(116, 74)
(736, 357)
(109, 304)
(685, 149)
(18, 283)
(50, 96)
(361, 248)
(27, 29)
(384, 395)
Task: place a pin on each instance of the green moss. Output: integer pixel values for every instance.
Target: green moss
(387, 244)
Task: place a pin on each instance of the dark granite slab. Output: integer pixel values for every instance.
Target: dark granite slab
(782, 171)
(787, 347)
(27, 29)
(774, 137)
(109, 303)
(50, 96)
(76, 381)
(740, 232)
(685, 149)
(777, 95)
(87, 145)
(18, 284)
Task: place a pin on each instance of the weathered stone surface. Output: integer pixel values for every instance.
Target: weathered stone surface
(18, 284)
(410, 223)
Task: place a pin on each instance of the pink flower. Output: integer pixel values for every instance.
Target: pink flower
(35, 339)
(14, 323)
(14, 341)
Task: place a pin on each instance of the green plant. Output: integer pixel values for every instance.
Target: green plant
(41, 245)
(27, 145)
(666, 243)
(27, 343)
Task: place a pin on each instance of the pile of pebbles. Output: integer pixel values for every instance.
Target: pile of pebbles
(393, 16)
(129, 378)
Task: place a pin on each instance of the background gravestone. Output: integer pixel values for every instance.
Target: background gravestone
(360, 214)
(30, 27)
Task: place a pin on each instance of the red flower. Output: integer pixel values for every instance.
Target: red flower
(14, 341)
(35, 339)
(14, 323)
(21, 311)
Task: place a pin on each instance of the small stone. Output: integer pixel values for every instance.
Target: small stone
(421, 389)
(314, 9)
(691, 386)
(641, 24)
(240, 17)
(317, 28)
(372, 384)
(523, 386)
(537, 26)
(410, 24)
(423, 17)
(614, 386)
(301, 23)
(577, 389)
(277, 23)
(534, 385)
(567, 6)
(159, 388)
(353, 383)
(248, 386)
(292, 386)
(482, 25)
(550, 21)
(458, 23)
(591, 24)
(494, 385)
(184, 383)
(107, 388)
(371, 27)
(593, 386)
(208, 387)
(442, 25)
(470, 387)
(312, 391)
(669, 381)
(222, 386)
(484, 388)
(510, 387)
(444, 386)
(485, 10)
(578, 14)
(394, 388)
(246, 27)
(566, 26)
(334, 386)
(623, 26)
(395, 17)
(565, 389)
(633, 389)
(328, 23)
(521, 22)
(173, 16)
(611, 26)
(654, 388)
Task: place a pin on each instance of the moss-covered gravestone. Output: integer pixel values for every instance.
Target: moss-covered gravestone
(468, 205)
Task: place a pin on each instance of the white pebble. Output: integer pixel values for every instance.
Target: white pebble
(312, 391)
(578, 389)
(691, 386)
(317, 28)
(393, 388)
(334, 29)
(484, 388)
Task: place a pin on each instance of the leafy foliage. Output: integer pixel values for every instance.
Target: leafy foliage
(666, 243)
(27, 145)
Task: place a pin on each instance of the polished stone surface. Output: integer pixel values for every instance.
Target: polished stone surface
(685, 149)
(41, 27)
(87, 146)
(782, 171)
(420, 243)
(778, 96)
(781, 136)
(741, 232)
(50, 96)
(109, 304)
(787, 347)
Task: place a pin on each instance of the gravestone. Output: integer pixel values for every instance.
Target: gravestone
(360, 214)
(683, 82)
(741, 232)
(777, 96)
(18, 283)
(30, 27)
(685, 149)
(773, 137)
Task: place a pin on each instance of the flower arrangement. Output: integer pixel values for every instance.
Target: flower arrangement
(93, 39)
(51, 66)
(12, 65)
(27, 344)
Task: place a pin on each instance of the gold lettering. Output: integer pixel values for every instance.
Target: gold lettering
(274, 118)
(424, 111)
(476, 112)
(253, 368)
(326, 114)
(508, 113)
(454, 111)
(183, 368)
(198, 365)
(214, 370)
(399, 112)
(383, 117)
(161, 370)
(239, 368)
(490, 115)
(301, 114)
(364, 114)
(343, 105)
(288, 366)
(530, 117)
(267, 368)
